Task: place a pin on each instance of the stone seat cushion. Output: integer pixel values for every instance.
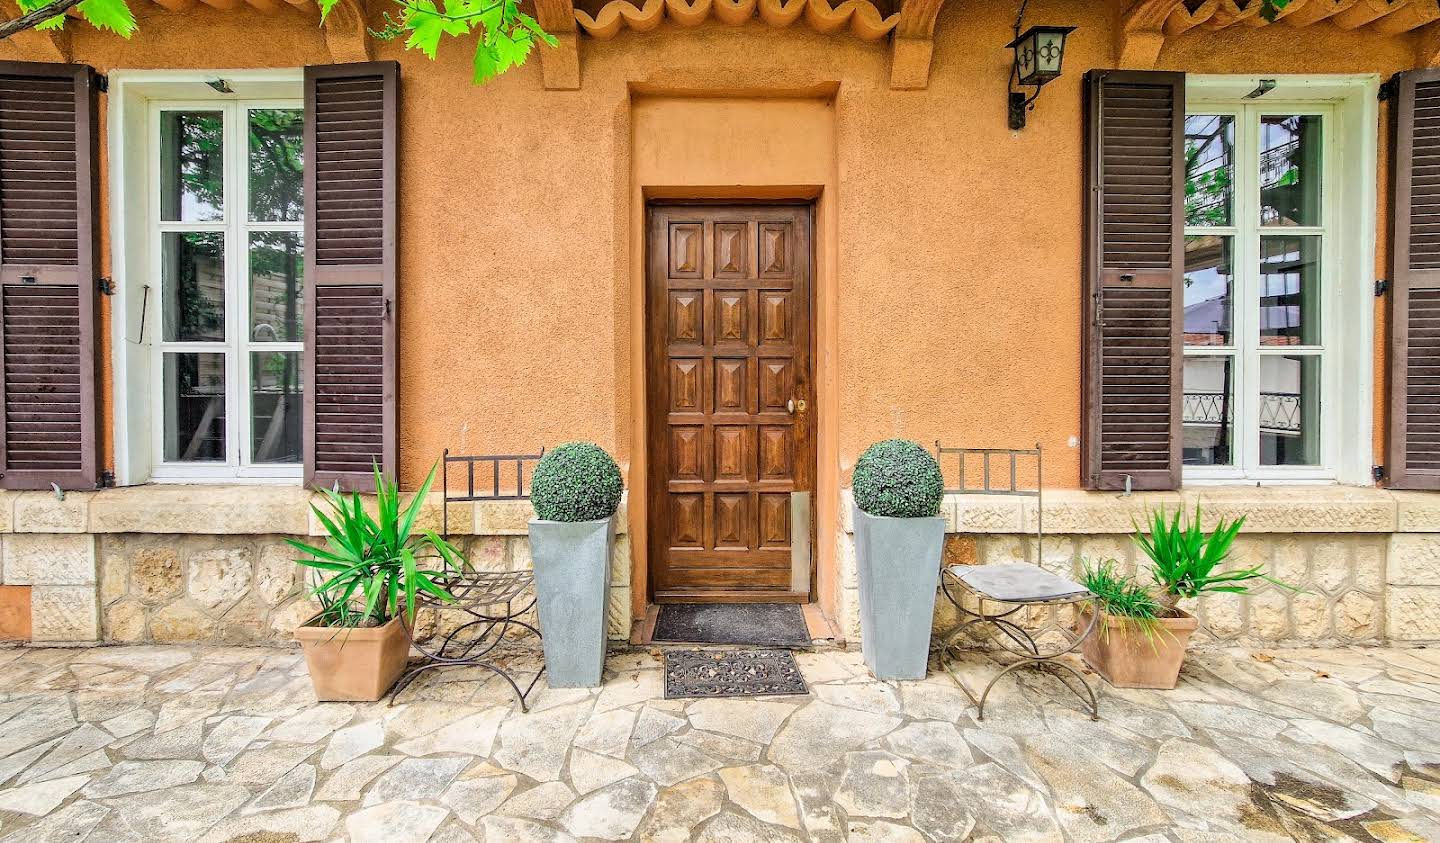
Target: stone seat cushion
(1016, 582)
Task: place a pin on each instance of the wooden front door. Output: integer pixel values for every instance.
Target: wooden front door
(731, 432)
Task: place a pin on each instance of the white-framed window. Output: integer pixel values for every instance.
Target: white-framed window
(209, 259)
(1276, 318)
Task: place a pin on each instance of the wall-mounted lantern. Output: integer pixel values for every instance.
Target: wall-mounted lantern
(1039, 54)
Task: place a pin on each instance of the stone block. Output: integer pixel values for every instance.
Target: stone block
(1354, 616)
(277, 574)
(1057, 555)
(617, 618)
(1412, 613)
(1097, 549)
(503, 518)
(1270, 614)
(489, 553)
(1073, 511)
(1222, 614)
(125, 622)
(1417, 512)
(114, 573)
(64, 613)
(7, 510)
(1290, 560)
(620, 563)
(1368, 563)
(1004, 549)
(285, 620)
(988, 514)
(181, 621)
(42, 512)
(1301, 509)
(520, 559)
(959, 550)
(219, 577)
(1413, 559)
(1310, 612)
(155, 573)
(1330, 565)
(49, 559)
(203, 510)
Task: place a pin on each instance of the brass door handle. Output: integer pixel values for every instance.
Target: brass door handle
(792, 406)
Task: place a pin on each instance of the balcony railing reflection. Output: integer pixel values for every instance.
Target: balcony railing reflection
(1279, 411)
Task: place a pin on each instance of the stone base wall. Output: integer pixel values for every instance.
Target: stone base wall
(1365, 563)
(188, 564)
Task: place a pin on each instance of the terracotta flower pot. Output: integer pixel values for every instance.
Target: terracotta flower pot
(354, 664)
(1128, 658)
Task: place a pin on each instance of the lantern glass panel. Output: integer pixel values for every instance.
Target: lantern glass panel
(1049, 48)
(1025, 58)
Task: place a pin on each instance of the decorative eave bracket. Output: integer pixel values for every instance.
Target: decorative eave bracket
(346, 33)
(559, 65)
(912, 44)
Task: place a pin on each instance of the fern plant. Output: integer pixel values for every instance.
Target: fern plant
(1185, 560)
(372, 569)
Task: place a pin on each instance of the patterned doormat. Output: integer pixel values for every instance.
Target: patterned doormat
(731, 673)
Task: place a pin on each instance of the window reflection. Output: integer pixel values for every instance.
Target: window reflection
(1289, 291)
(1290, 410)
(275, 408)
(1208, 410)
(1209, 280)
(1290, 164)
(192, 181)
(194, 407)
(1209, 168)
(277, 268)
(277, 164)
(192, 276)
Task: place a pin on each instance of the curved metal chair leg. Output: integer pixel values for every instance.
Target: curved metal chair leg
(980, 706)
(1090, 692)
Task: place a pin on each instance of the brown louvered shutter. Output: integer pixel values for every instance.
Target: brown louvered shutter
(350, 255)
(1414, 438)
(49, 252)
(1134, 238)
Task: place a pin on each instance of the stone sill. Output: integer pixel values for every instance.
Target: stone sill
(1272, 509)
(231, 510)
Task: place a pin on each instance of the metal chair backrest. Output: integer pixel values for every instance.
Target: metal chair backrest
(1010, 481)
(495, 492)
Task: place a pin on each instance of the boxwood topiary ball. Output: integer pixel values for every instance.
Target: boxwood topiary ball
(576, 481)
(898, 479)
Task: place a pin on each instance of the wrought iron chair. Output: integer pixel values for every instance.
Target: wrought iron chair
(1012, 587)
(495, 601)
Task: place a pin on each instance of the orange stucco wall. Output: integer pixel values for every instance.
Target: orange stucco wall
(950, 246)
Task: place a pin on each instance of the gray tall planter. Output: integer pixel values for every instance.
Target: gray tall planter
(898, 564)
(572, 587)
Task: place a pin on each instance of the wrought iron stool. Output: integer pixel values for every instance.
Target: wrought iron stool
(1015, 586)
(494, 600)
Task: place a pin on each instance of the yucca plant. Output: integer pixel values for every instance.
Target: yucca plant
(372, 569)
(1184, 558)
(1119, 595)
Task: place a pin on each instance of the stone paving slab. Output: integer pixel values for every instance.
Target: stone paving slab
(227, 745)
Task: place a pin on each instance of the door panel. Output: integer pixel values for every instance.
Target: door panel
(730, 401)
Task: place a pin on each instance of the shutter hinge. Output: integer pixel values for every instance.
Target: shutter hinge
(1382, 286)
(106, 481)
(1389, 88)
(1377, 472)
(102, 83)
(105, 286)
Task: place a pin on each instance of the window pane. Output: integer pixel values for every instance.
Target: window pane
(1209, 285)
(1209, 168)
(1289, 291)
(1208, 410)
(192, 276)
(276, 164)
(275, 406)
(192, 180)
(1289, 410)
(1290, 170)
(277, 263)
(194, 407)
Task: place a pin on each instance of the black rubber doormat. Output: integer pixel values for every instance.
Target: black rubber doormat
(731, 673)
(758, 624)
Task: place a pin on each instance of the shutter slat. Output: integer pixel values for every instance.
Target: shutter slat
(48, 256)
(1413, 447)
(350, 232)
(1134, 222)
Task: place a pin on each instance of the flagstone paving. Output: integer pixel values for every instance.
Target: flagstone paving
(227, 744)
